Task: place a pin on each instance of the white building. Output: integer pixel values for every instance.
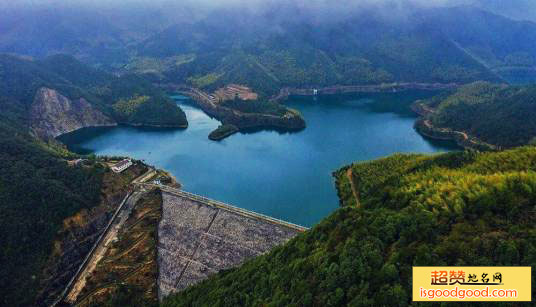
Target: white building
(121, 165)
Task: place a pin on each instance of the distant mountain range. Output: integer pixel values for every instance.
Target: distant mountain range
(284, 47)
(397, 212)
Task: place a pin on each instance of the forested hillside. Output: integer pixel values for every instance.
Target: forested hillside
(429, 45)
(497, 114)
(414, 210)
(236, 49)
(37, 191)
(285, 44)
(20, 79)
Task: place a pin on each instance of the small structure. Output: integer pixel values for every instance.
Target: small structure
(76, 162)
(233, 91)
(122, 165)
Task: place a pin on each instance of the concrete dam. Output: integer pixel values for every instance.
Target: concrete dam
(198, 237)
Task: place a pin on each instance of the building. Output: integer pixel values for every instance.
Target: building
(121, 165)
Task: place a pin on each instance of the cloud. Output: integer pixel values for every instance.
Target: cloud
(323, 9)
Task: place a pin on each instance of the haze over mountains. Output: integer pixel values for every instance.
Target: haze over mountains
(269, 46)
(66, 65)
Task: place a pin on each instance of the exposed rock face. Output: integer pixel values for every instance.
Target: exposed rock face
(53, 114)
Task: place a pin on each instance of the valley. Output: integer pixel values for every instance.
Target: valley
(265, 153)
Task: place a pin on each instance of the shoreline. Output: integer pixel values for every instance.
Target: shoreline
(121, 124)
(154, 125)
(216, 136)
(290, 122)
(425, 127)
(89, 126)
(286, 92)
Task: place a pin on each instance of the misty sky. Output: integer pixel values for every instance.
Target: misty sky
(519, 9)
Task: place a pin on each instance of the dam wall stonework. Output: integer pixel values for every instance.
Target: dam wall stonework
(197, 239)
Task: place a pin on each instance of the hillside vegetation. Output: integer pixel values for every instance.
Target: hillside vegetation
(430, 45)
(38, 190)
(460, 208)
(20, 79)
(283, 44)
(497, 114)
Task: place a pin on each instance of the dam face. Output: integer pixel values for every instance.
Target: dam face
(197, 238)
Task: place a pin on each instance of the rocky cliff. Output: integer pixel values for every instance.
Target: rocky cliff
(52, 114)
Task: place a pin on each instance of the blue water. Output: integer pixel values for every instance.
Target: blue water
(284, 175)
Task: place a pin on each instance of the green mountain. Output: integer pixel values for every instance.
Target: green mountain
(500, 115)
(460, 208)
(38, 190)
(20, 80)
(429, 45)
(283, 45)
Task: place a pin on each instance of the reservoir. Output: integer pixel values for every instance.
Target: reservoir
(283, 175)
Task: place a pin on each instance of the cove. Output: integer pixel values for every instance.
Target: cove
(284, 175)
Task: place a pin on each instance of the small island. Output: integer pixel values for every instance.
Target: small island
(222, 132)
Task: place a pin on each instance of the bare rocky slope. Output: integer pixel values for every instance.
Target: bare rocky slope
(52, 114)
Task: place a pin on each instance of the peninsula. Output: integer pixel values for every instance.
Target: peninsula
(481, 116)
(245, 111)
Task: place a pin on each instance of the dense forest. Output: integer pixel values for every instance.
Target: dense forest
(465, 208)
(497, 114)
(255, 106)
(414, 210)
(429, 45)
(284, 44)
(38, 190)
(20, 79)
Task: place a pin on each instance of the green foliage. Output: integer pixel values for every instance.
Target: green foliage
(496, 114)
(128, 107)
(205, 81)
(140, 103)
(345, 52)
(222, 132)
(460, 208)
(256, 106)
(37, 191)
(20, 79)
(163, 113)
